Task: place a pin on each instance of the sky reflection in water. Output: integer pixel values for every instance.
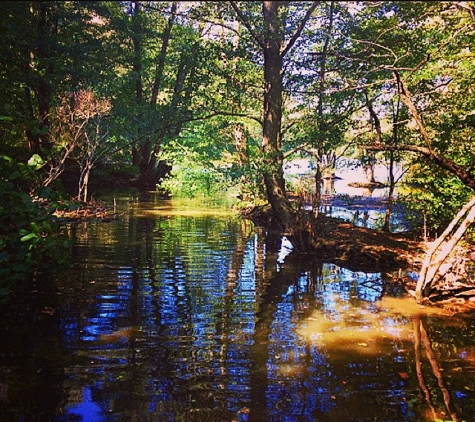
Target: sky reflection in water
(173, 317)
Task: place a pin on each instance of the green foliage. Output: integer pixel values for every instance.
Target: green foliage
(247, 179)
(192, 177)
(30, 239)
(203, 162)
(435, 195)
(196, 87)
(49, 49)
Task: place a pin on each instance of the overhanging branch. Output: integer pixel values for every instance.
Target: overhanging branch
(466, 177)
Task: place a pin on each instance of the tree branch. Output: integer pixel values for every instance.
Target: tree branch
(295, 149)
(299, 30)
(446, 242)
(467, 178)
(245, 22)
(406, 99)
(374, 116)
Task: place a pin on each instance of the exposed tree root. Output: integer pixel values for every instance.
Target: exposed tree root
(369, 250)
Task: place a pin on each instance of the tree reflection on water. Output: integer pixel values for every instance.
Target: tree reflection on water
(173, 315)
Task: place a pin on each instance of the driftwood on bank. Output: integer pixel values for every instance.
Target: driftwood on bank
(91, 210)
(433, 271)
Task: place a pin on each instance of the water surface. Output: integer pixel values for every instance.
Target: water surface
(181, 311)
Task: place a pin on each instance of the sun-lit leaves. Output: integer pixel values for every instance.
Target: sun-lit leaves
(190, 73)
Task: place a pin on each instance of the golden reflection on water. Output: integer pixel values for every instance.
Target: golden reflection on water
(367, 329)
(167, 212)
(182, 208)
(121, 334)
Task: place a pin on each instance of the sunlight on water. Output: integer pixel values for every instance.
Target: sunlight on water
(179, 312)
(183, 207)
(182, 212)
(365, 328)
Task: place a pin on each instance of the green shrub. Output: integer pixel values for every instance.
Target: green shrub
(30, 239)
(191, 178)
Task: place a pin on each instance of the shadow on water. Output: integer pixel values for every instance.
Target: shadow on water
(181, 312)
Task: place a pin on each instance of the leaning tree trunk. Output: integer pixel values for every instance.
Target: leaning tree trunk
(445, 243)
(84, 183)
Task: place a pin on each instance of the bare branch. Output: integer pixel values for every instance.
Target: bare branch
(297, 148)
(463, 5)
(406, 99)
(374, 116)
(300, 28)
(246, 23)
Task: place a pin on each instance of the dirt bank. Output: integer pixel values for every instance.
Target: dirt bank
(363, 249)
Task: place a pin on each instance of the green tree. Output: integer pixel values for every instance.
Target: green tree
(420, 58)
(317, 123)
(44, 51)
(162, 73)
(431, 77)
(51, 50)
(273, 45)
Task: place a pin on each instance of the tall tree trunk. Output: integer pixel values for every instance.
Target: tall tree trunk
(369, 160)
(392, 184)
(272, 122)
(140, 147)
(321, 91)
(147, 176)
(145, 154)
(318, 190)
(39, 139)
(392, 179)
(161, 58)
(151, 168)
(150, 149)
(275, 49)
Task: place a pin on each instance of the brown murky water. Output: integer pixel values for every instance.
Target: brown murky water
(179, 311)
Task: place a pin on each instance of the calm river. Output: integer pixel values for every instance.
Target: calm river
(179, 311)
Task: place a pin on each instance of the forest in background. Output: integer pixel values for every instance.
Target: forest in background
(194, 98)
